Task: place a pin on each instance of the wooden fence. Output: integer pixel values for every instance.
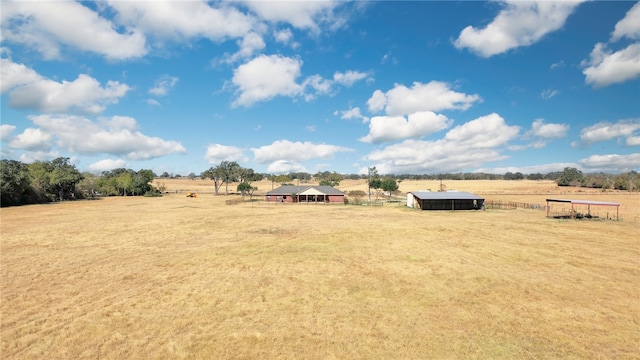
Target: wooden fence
(512, 205)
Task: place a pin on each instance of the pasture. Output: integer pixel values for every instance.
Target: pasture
(177, 277)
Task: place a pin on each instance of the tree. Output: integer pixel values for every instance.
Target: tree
(331, 179)
(246, 188)
(571, 177)
(222, 174)
(63, 178)
(88, 186)
(389, 184)
(357, 195)
(373, 180)
(15, 185)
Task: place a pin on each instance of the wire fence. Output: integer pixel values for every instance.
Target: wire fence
(512, 205)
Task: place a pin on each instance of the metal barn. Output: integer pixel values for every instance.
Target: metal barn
(448, 200)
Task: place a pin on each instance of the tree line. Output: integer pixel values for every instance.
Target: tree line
(57, 180)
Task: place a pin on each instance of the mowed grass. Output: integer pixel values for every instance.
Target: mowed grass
(177, 277)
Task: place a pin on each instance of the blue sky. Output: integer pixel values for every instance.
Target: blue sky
(286, 86)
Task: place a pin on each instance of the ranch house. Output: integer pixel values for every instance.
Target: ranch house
(448, 200)
(305, 194)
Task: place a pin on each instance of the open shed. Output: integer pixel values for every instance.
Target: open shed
(306, 194)
(448, 200)
(575, 207)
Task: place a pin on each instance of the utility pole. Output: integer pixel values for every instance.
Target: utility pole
(369, 182)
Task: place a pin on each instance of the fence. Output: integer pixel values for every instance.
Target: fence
(511, 205)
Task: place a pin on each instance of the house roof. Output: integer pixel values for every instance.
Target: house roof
(292, 189)
(446, 195)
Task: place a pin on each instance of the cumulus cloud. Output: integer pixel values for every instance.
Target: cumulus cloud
(629, 26)
(606, 67)
(612, 163)
(47, 27)
(107, 165)
(308, 15)
(116, 135)
(29, 90)
(353, 113)
(32, 140)
(217, 153)
(181, 20)
(467, 146)
(283, 36)
(433, 96)
(604, 131)
(285, 167)
(268, 76)
(548, 131)
(295, 151)
(391, 128)
(163, 85)
(5, 131)
(520, 23)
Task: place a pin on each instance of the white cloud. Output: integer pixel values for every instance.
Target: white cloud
(32, 140)
(349, 78)
(107, 165)
(28, 90)
(604, 131)
(49, 26)
(605, 67)
(283, 36)
(549, 93)
(466, 146)
(629, 26)
(633, 141)
(217, 153)
(182, 20)
(612, 162)
(117, 135)
(31, 156)
(548, 131)
(265, 77)
(268, 76)
(300, 14)
(295, 151)
(416, 125)
(285, 167)
(163, 85)
(14, 75)
(353, 113)
(248, 45)
(433, 96)
(5, 131)
(153, 102)
(520, 23)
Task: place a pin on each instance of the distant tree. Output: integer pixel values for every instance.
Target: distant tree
(571, 177)
(88, 185)
(191, 176)
(357, 195)
(536, 176)
(165, 175)
(63, 178)
(246, 188)
(331, 179)
(374, 181)
(622, 182)
(389, 185)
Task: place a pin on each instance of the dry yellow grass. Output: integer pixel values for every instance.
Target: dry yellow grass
(178, 277)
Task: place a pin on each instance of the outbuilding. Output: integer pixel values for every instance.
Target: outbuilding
(306, 194)
(447, 200)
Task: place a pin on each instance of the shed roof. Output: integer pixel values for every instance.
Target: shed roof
(293, 189)
(584, 202)
(446, 195)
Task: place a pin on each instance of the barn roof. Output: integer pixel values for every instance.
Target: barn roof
(584, 202)
(293, 189)
(445, 195)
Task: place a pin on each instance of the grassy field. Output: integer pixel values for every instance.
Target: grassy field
(177, 277)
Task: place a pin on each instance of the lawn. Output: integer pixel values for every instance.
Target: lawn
(178, 277)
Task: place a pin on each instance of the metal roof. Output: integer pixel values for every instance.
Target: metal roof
(445, 195)
(292, 189)
(584, 202)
